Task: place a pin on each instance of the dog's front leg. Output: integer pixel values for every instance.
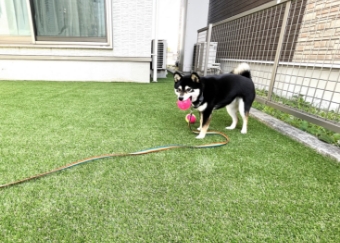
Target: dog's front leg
(204, 123)
(201, 120)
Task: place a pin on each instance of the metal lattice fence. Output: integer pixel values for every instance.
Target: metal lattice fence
(293, 50)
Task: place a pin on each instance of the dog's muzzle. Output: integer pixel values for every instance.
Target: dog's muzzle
(181, 98)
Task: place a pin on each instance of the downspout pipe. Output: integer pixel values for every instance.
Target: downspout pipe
(155, 42)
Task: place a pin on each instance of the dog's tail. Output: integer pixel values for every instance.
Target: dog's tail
(242, 69)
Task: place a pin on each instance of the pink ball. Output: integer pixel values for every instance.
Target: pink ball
(184, 104)
(190, 118)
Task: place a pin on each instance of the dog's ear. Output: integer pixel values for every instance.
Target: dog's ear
(195, 77)
(177, 77)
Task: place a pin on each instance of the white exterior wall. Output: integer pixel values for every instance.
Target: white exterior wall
(194, 18)
(74, 71)
(131, 38)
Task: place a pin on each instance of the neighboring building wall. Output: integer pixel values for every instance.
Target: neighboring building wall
(263, 28)
(319, 36)
(223, 9)
(316, 41)
(129, 60)
(194, 16)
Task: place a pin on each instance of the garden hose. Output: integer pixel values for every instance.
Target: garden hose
(146, 151)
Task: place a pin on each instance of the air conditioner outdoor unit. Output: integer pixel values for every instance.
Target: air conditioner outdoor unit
(196, 57)
(161, 59)
(199, 56)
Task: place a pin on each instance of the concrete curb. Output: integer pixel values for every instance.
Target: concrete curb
(297, 134)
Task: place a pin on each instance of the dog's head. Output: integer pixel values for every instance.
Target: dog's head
(187, 87)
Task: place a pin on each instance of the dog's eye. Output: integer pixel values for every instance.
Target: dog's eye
(189, 90)
(177, 90)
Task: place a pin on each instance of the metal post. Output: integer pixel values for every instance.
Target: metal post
(207, 49)
(278, 50)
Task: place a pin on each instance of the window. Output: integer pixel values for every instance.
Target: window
(53, 20)
(69, 20)
(14, 21)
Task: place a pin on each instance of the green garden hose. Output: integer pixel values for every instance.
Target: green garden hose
(146, 151)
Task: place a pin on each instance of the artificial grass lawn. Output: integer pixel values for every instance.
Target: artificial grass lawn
(261, 187)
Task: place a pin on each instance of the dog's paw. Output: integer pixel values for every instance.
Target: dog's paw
(230, 127)
(244, 131)
(200, 136)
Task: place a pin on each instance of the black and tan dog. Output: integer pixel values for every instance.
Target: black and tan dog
(234, 90)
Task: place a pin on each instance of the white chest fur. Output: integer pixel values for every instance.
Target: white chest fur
(202, 107)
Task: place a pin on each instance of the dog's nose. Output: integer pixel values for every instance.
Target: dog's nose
(180, 98)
